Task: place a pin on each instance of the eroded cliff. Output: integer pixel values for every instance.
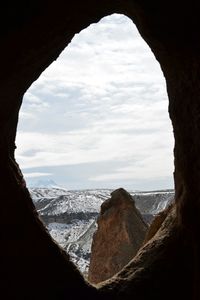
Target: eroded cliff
(33, 34)
(121, 231)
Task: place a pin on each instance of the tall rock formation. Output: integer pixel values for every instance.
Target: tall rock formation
(121, 231)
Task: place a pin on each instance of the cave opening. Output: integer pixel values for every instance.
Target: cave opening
(95, 120)
(33, 266)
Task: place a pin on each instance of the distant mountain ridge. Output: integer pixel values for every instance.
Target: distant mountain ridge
(43, 183)
(70, 216)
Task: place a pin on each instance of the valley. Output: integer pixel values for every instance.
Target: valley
(70, 216)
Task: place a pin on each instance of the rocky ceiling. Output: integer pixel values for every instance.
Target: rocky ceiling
(33, 34)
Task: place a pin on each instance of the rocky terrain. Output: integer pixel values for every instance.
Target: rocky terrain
(70, 216)
(120, 234)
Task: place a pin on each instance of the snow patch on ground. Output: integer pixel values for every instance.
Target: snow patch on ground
(70, 216)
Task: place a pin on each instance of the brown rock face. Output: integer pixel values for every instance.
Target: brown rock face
(33, 34)
(157, 222)
(121, 231)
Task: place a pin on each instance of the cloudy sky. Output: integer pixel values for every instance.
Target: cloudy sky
(97, 117)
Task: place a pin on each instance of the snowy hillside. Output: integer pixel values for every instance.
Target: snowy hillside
(70, 216)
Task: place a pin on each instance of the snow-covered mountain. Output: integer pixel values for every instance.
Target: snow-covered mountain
(152, 202)
(43, 183)
(70, 216)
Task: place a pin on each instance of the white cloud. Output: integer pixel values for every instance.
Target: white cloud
(152, 167)
(36, 174)
(104, 99)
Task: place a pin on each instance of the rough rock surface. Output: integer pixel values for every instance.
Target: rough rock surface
(158, 268)
(33, 34)
(157, 223)
(121, 231)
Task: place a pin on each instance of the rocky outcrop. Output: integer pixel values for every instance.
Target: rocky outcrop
(159, 268)
(33, 34)
(121, 231)
(157, 222)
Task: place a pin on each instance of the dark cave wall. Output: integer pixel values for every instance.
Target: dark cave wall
(33, 34)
